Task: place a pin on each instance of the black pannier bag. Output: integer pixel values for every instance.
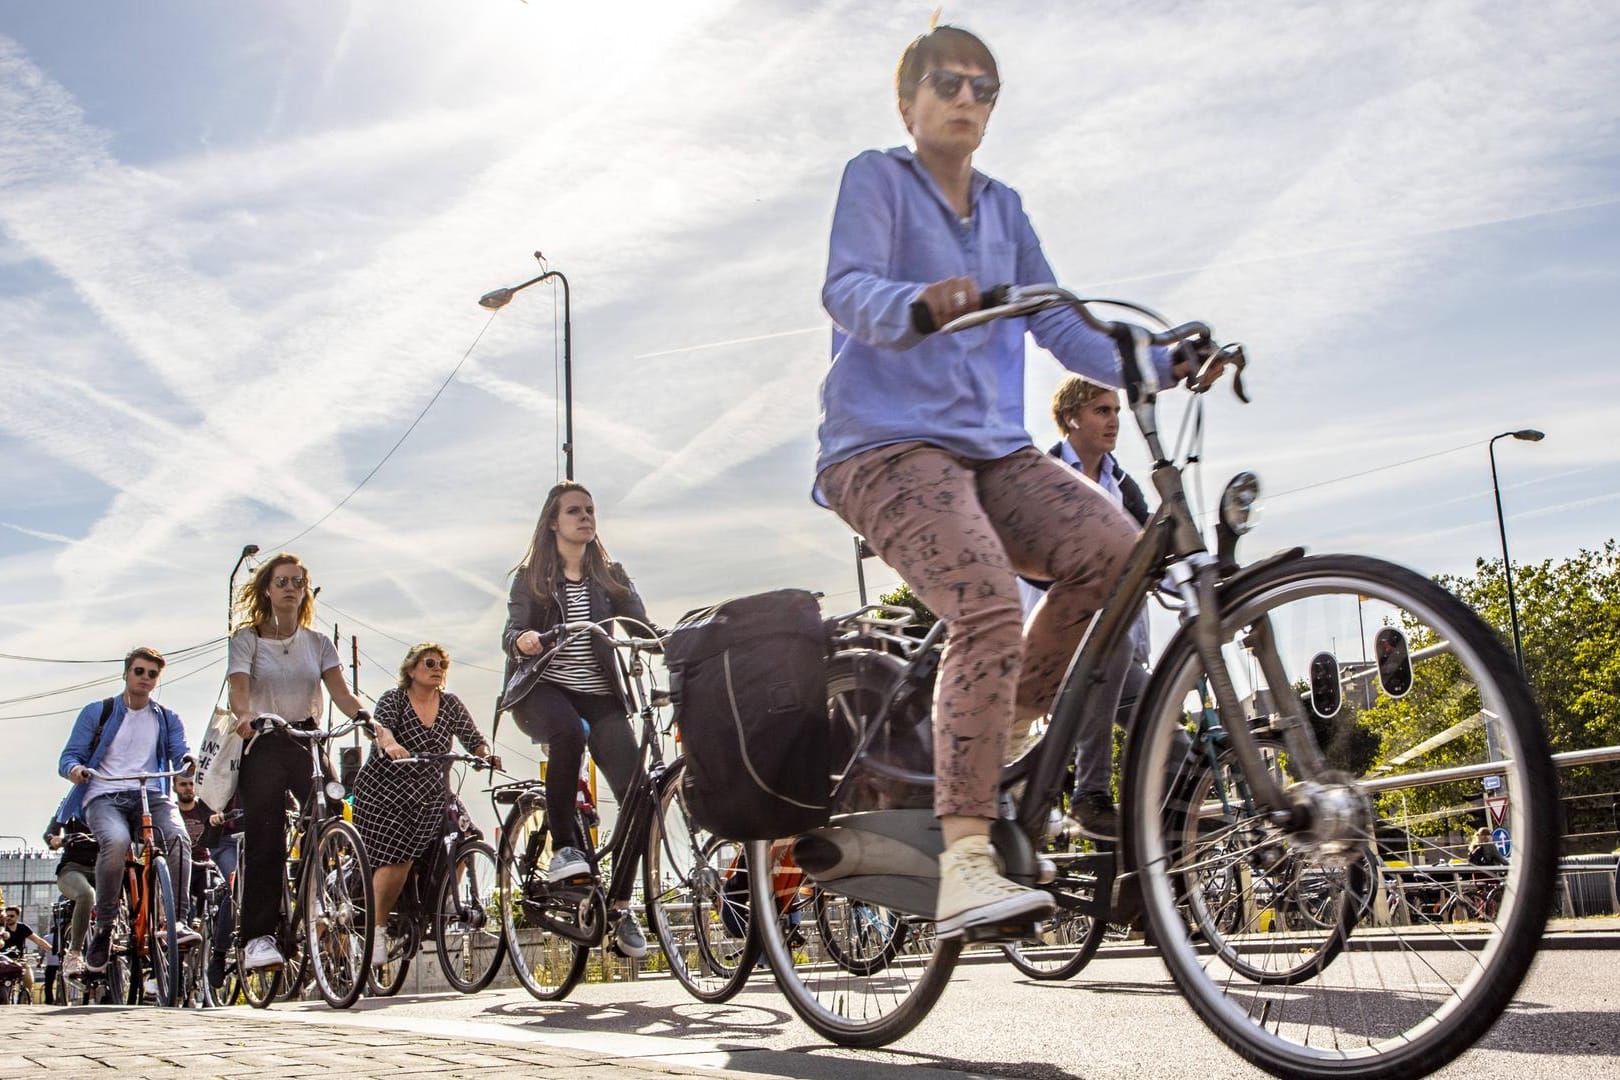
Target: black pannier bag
(749, 682)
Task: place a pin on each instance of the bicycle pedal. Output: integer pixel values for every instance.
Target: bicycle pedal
(1008, 930)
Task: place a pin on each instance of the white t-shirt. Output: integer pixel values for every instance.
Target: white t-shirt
(284, 677)
(134, 748)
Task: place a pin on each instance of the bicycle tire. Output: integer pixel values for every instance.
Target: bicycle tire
(842, 1006)
(162, 938)
(861, 938)
(1457, 991)
(195, 991)
(701, 925)
(466, 930)
(337, 914)
(385, 980)
(1233, 925)
(1068, 941)
(546, 963)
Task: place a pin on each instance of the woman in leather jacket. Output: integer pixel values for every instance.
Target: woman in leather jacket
(572, 697)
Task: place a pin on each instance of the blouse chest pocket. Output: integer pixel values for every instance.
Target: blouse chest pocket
(998, 263)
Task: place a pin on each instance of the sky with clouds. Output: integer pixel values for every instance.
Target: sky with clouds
(241, 245)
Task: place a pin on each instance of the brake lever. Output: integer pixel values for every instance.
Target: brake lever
(1239, 360)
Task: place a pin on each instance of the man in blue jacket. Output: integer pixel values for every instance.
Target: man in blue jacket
(119, 737)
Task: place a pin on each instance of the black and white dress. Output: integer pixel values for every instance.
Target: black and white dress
(399, 809)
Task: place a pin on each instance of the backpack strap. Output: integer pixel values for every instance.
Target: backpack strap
(95, 740)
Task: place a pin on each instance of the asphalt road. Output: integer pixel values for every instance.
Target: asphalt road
(1121, 1017)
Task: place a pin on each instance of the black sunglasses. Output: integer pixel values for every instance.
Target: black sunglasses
(947, 84)
(142, 673)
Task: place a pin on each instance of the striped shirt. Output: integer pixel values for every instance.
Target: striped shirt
(575, 667)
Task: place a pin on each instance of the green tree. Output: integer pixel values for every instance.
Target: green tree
(1569, 621)
(904, 597)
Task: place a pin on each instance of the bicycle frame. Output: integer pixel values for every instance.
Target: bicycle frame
(140, 877)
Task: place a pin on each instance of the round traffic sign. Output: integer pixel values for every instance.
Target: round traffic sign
(1503, 842)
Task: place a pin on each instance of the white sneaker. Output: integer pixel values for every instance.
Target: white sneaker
(973, 893)
(261, 952)
(379, 950)
(72, 964)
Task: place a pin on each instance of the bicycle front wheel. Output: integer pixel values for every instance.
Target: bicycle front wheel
(162, 937)
(546, 963)
(1399, 998)
(337, 914)
(466, 919)
(696, 887)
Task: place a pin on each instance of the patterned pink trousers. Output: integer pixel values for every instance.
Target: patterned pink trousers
(959, 532)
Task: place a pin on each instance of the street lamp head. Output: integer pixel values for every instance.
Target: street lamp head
(1530, 435)
(495, 299)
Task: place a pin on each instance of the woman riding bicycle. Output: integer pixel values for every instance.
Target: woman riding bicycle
(923, 449)
(399, 808)
(277, 665)
(567, 576)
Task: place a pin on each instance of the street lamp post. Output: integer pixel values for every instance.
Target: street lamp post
(499, 298)
(1525, 435)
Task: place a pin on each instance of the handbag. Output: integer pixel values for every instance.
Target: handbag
(219, 760)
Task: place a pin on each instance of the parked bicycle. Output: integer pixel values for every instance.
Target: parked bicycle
(449, 898)
(153, 943)
(326, 920)
(1388, 1004)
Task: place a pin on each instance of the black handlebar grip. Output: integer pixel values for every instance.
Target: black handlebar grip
(922, 320)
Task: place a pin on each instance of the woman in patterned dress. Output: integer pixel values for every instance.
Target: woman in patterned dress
(399, 809)
(567, 576)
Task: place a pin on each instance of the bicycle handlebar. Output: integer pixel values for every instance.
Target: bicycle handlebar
(922, 320)
(1021, 300)
(568, 629)
(270, 721)
(187, 769)
(443, 759)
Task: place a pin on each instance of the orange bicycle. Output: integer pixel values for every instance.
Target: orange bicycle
(154, 941)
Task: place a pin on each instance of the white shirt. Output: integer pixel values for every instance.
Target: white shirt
(133, 749)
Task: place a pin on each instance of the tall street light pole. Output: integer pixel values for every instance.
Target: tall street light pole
(499, 298)
(1526, 435)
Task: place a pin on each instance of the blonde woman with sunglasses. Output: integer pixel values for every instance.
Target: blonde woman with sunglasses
(277, 665)
(400, 808)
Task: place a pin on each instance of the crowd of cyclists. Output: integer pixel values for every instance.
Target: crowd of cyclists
(923, 450)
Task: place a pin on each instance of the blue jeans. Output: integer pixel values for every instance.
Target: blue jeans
(225, 859)
(116, 816)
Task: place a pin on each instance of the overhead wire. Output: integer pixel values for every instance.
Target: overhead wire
(111, 660)
(88, 683)
(397, 443)
(169, 681)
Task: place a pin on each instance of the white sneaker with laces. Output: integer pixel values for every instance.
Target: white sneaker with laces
(379, 950)
(972, 891)
(261, 952)
(72, 964)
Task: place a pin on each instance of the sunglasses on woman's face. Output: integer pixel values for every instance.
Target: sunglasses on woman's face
(433, 663)
(141, 673)
(297, 583)
(947, 84)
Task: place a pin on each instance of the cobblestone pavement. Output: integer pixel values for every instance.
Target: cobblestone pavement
(140, 1042)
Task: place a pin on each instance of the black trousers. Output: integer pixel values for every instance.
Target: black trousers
(275, 765)
(550, 714)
